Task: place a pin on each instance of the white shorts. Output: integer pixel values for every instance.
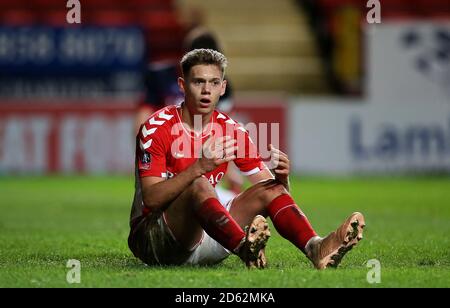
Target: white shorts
(224, 195)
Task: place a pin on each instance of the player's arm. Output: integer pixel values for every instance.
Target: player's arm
(281, 164)
(262, 175)
(158, 193)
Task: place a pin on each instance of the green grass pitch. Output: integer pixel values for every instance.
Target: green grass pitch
(45, 221)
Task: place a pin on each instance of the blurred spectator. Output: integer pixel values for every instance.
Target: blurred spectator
(336, 27)
(318, 22)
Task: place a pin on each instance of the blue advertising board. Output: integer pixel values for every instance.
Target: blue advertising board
(41, 49)
(80, 62)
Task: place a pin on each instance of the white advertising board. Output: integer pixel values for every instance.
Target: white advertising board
(404, 122)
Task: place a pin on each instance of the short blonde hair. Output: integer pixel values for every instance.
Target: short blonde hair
(203, 56)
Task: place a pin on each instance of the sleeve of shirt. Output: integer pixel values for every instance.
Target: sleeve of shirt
(248, 159)
(151, 152)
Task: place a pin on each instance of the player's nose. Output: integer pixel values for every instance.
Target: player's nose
(206, 89)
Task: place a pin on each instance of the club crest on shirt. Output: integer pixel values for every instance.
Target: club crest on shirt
(146, 158)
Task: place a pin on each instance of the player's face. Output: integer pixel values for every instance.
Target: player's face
(202, 88)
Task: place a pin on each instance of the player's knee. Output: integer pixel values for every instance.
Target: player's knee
(200, 183)
(201, 189)
(269, 190)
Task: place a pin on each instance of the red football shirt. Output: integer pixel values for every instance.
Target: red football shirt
(165, 147)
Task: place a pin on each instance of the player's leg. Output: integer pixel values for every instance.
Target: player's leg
(170, 236)
(195, 210)
(329, 251)
(270, 198)
(198, 209)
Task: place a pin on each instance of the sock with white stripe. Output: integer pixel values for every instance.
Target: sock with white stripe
(219, 224)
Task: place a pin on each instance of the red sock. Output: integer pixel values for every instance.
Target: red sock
(219, 224)
(290, 222)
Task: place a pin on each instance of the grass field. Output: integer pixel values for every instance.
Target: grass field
(45, 221)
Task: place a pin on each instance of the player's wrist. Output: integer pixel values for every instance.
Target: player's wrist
(198, 170)
(284, 180)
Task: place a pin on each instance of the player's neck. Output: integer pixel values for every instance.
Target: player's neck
(192, 122)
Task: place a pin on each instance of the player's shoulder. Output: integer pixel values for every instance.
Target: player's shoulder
(159, 123)
(163, 117)
(226, 120)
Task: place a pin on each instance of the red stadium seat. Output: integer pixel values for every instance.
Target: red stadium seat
(164, 45)
(18, 17)
(434, 8)
(146, 4)
(103, 4)
(111, 18)
(57, 18)
(398, 9)
(438, 16)
(154, 20)
(12, 4)
(398, 15)
(48, 4)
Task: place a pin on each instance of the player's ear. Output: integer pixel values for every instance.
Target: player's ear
(181, 84)
(224, 87)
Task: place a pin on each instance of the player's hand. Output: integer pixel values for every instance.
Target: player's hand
(216, 151)
(280, 163)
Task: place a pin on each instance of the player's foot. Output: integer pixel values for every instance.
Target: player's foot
(329, 251)
(252, 251)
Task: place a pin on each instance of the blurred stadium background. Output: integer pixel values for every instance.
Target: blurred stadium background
(351, 98)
